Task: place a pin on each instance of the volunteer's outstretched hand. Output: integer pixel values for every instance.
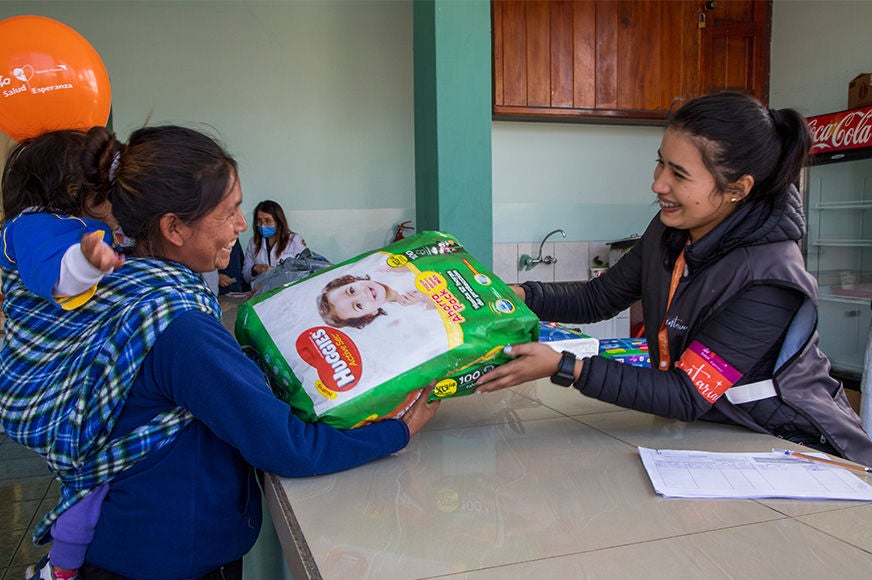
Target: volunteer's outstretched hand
(534, 361)
(420, 413)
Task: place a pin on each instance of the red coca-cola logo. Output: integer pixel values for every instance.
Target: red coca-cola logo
(839, 131)
(333, 355)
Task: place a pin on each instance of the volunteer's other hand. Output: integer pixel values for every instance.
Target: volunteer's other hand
(420, 413)
(533, 361)
(99, 254)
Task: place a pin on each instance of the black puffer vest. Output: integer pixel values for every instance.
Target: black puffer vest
(755, 245)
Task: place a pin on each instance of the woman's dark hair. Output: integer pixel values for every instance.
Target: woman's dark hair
(738, 136)
(166, 169)
(283, 231)
(325, 307)
(45, 172)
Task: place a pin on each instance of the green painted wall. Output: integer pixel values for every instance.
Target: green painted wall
(314, 98)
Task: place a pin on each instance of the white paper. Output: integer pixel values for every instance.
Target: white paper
(702, 474)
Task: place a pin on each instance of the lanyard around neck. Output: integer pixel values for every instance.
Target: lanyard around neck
(663, 335)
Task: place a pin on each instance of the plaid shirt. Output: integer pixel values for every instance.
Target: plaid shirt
(65, 375)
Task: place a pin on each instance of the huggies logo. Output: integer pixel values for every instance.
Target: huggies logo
(333, 355)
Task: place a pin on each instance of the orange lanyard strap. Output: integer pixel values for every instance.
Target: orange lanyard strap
(662, 335)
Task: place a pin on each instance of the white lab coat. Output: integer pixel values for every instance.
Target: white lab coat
(261, 255)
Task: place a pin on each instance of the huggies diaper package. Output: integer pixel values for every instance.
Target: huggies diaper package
(351, 343)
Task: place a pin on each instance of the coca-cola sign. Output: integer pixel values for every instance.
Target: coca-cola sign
(849, 129)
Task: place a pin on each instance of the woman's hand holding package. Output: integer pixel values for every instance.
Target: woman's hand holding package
(534, 361)
(420, 413)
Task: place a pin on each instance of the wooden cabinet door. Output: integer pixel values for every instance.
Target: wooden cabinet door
(623, 60)
(734, 51)
(644, 51)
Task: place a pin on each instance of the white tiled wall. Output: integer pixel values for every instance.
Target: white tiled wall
(574, 260)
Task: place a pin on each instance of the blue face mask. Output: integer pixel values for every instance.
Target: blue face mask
(267, 231)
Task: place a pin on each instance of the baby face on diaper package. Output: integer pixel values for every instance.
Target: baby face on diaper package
(352, 342)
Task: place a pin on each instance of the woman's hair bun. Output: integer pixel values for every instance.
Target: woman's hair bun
(100, 149)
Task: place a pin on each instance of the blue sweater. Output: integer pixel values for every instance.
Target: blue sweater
(195, 504)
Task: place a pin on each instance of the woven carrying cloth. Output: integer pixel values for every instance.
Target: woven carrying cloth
(65, 375)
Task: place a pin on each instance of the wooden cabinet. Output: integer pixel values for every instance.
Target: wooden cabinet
(624, 60)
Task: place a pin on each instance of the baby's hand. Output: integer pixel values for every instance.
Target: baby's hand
(99, 254)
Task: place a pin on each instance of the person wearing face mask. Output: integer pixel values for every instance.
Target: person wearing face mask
(272, 242)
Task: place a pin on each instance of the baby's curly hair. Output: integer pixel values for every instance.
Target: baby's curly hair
(45, 173)
(325, 308)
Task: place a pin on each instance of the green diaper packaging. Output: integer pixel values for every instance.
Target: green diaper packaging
(353, 342)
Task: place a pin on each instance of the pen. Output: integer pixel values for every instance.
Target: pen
(799, 455)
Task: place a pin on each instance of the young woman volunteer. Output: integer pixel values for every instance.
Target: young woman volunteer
(729, 309)
(272, 241)
(183, 419)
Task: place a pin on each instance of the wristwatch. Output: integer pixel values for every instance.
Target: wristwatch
(565, 374)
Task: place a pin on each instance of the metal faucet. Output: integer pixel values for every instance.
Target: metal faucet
(528, 262)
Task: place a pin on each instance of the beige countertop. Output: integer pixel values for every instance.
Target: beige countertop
(541, 482)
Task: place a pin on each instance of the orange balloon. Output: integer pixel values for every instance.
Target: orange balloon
(50, 78)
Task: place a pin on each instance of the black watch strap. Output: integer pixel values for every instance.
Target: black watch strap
(565, 375)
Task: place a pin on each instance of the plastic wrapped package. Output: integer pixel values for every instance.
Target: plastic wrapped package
(352, 342)
(561, 337)
(632, 351)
